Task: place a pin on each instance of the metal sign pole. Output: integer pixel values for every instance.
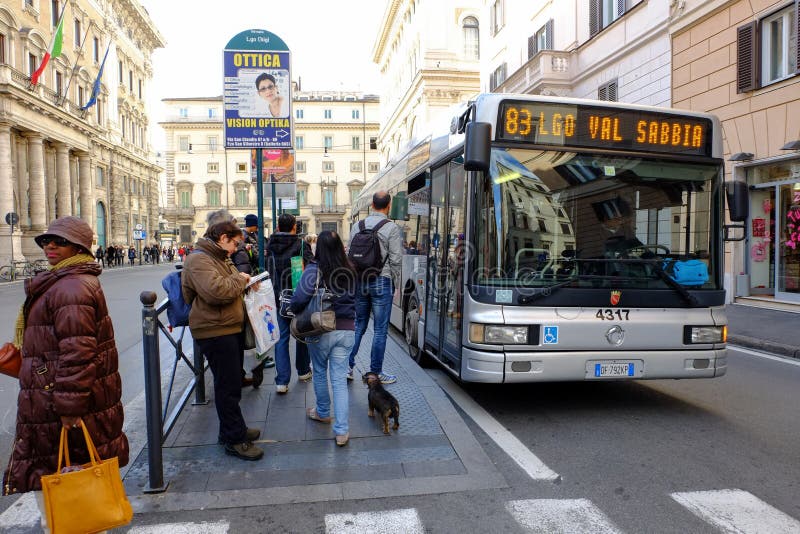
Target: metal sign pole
(274, 207)
(260, 194)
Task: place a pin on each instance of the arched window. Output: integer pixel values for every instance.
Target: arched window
(472, 42)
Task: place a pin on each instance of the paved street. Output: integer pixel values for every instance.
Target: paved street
(662, 456)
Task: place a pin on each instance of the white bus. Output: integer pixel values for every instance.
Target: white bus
(554, 239)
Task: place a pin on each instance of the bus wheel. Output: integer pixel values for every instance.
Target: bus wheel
(411, 328)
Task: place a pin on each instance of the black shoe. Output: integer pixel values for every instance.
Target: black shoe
(268, 362)
(245, 451)
(258, 375)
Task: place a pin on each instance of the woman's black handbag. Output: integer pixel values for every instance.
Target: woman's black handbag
(317, 318)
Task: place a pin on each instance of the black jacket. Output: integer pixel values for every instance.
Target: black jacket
(281, 248)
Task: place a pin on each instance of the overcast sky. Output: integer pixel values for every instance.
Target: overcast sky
(330, 41)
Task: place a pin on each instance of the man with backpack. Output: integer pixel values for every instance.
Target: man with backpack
(284, 245)
(376, 251)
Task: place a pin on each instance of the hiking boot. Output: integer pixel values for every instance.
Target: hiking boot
(245, 451)
(251, 435)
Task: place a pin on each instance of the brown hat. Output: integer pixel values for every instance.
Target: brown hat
(73, 229)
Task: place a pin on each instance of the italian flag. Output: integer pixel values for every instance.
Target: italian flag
(55, 47)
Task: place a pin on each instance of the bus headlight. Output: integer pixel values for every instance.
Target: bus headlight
(705, 334)
(497, 334)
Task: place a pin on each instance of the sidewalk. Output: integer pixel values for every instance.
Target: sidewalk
(763, 329)
(432, 452)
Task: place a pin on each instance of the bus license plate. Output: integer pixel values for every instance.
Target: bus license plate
(613, 369)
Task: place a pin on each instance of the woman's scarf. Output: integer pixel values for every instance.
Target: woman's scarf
(77, 259)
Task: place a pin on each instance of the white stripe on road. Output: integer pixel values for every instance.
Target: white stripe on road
(782, 359)
(737, 512)
(24, 513)
(507, 441)
(404, 521)
(219, 527)
(557, 516)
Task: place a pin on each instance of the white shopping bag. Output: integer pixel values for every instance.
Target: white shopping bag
(263, 313)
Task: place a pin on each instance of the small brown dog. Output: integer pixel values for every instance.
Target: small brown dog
(381, 401)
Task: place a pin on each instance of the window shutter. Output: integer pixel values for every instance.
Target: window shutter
(612, 91)
(594, 17)
(533, 46)
(549, 36)
(747, 57)
(620, 7)
(602, 92)
(797, 33)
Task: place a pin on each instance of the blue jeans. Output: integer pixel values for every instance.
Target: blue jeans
(331, 353)
(375, 296)
(283, 363)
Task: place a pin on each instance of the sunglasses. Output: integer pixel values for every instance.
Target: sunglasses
(57, 241)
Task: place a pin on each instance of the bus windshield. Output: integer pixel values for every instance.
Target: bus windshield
(548, 218)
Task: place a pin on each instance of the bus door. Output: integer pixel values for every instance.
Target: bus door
(445, 295)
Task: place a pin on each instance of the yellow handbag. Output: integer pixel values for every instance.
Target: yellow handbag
(87, 500)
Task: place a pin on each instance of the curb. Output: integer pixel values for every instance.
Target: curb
(764, 345)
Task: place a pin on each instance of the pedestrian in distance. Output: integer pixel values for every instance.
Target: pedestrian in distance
(69, 371)
(251, 240)
(100, 254)
(330, 353)
(284, 245)
(214, 288)
(111, 255)
(311, 240)
(131, 255)
(376, 251)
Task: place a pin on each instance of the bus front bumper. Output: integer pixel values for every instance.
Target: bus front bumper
(509, 367)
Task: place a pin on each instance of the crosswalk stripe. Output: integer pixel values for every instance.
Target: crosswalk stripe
(737, 512)
(23, 513)
(556, 516)
(405, 521)
(218, 527)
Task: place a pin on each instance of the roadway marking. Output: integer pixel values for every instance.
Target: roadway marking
(507, 441)
(405, 521)
(736, 511)
(218, 527)
(24, 512)
(556, 516)
(783, 359)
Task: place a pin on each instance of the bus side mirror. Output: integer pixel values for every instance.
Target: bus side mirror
(478, 146)
(738, 197)
(399, 209)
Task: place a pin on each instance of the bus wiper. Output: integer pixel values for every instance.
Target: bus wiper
(549, 290)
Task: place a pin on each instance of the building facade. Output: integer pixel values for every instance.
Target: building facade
(615, 50)
(740, 60)
(56, 158)
(335, 142)
(428, 54)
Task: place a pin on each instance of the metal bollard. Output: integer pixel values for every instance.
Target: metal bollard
(152, 393)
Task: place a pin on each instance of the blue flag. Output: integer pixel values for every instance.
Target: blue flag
(96, 89)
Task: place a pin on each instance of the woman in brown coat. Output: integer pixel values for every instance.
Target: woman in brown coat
(69, 362)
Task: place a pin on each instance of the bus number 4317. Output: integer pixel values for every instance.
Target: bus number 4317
(609, 315)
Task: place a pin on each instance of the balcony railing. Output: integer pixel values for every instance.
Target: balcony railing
(185, 212)
(549, 69)
(324, 208)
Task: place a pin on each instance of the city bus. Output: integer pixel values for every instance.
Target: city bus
(558, 239)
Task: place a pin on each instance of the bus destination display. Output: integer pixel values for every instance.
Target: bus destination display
(571, 125)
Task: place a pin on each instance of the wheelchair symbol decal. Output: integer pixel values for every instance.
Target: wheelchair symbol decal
(550, 336)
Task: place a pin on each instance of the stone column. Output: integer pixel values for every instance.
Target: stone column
(87, 197)
(6, 178)
(23, 181)
(50, 183)
(64, 198)
(73, 183)
(37, 185)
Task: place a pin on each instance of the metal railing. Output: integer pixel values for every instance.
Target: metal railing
(160, 419)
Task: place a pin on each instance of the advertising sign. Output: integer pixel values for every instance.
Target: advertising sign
(277, 166)
(257, 92)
